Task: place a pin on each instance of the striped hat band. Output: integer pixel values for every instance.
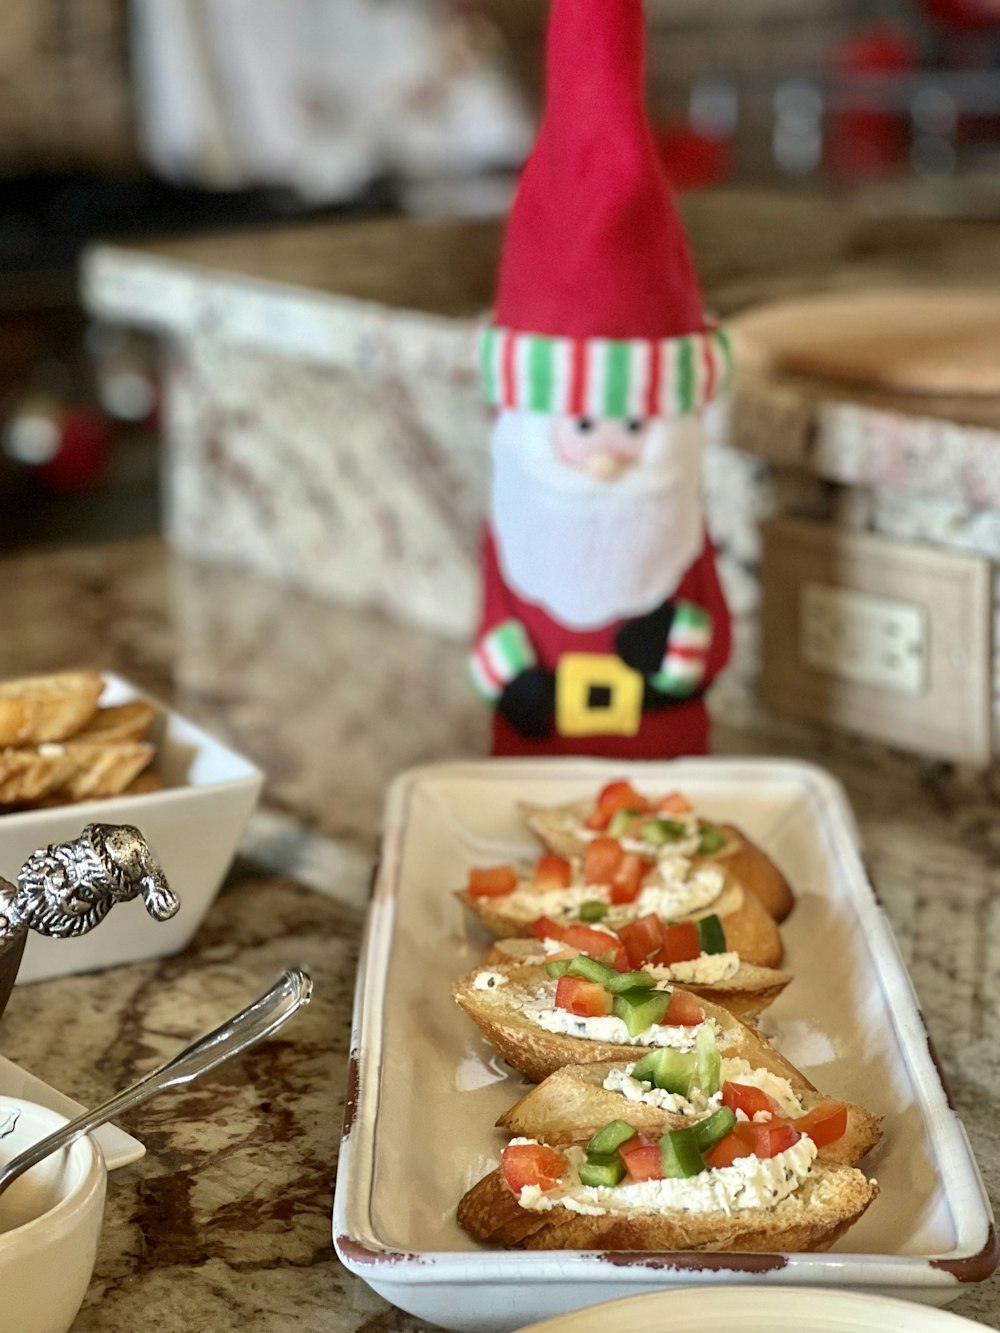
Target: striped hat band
(604, 377)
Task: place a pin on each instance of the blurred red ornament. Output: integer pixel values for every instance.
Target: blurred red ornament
(978, 14)
(864, 140)
(80, 460)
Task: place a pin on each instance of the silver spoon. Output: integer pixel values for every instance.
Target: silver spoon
(258, 1020)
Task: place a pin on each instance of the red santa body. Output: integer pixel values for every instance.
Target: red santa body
(603, 620)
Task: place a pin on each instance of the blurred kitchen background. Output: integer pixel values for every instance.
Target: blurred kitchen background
(244, 245)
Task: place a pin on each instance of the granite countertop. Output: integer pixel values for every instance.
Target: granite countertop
(225, 1224)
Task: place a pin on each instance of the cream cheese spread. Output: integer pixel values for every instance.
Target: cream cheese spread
(676, 890)
(734, 1070)
(706, 970)
(751, 1182)
(538, 1007)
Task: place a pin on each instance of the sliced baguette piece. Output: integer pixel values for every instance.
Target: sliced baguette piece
(750, 865)
(750, 930)
(102, 770)
(558, 828)
(536, 1053)
(27, 776)
(123, 722)
(746, 994)
(35, 709)
(829, 1201)
(572, 1104)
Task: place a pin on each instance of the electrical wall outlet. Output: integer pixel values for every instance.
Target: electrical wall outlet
(884, 638)
(872, 640)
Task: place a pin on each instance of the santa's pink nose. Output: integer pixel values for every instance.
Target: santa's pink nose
(604, 447)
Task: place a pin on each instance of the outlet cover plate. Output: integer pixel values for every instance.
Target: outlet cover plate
(885, 638)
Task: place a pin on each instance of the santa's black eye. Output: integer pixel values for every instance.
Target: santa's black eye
(584, 425)
(635, 425)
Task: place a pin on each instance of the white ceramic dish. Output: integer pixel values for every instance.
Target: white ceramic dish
(193, 827)
(50, 1222)
(426, 1088)
(751, 1309)
(119, 1148)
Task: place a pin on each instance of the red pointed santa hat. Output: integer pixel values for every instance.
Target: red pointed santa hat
(598, 310)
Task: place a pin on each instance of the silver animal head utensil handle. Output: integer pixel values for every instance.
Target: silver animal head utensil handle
(68, 888)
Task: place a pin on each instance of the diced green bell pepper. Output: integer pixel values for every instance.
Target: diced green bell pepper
(558, 967)
(621, 821)
(707, 1061)
(710, 840)
(611, 1137)
(593, 910)
(592, 969)
(620, 982)
(602, 1169)
(711, 934)
(667, 1069)
(659, 831)
(709, 1131)
(640, 1009)
(680, 1153)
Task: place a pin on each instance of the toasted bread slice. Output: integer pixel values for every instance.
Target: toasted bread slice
(28, 776)
(559, 827)
(746, 994)
(123, 722)
(572, 1104)
(747, 863)
(750, 930)
(829, 1201)
(35, 709)
(536, 1053)
(147, 781)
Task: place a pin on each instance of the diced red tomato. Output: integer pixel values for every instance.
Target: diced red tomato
(642, 938)
(726, 1151)
(766, 1140)
(601, 860)
(493, 882)
(628, 878)
(598, 820)
(544, 928)
(598, 944)
(675, 803)
(643, 1159)
(681, 942)
(552, 872)
(621, 795)
(586, 999)
(683, 1010)
(532, 1164)
(824, 1123)
(749, 1100)
(746, 1139)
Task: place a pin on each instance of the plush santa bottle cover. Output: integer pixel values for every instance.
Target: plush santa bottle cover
(603, 620)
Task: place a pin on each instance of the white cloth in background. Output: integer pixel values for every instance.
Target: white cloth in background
(320, 96)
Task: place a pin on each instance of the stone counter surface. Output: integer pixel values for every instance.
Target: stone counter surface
(225, 1224)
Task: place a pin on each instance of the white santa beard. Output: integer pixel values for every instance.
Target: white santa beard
(591, 552)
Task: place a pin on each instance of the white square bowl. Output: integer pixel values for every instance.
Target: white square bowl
(193, 826)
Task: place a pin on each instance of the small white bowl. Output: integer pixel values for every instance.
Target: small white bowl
(50, 1223)
(193, 827)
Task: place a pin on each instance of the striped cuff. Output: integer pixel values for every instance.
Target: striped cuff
(603, 377)
(685, 659)
(498, 657)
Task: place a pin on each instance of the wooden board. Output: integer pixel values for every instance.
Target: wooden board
(912, 341)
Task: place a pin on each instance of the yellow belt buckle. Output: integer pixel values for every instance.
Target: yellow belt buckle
(597, 695)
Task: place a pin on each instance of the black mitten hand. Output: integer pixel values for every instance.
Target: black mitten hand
(529, 703)
(641, 643)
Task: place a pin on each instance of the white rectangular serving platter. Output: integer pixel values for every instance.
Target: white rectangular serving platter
(426, 1088)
